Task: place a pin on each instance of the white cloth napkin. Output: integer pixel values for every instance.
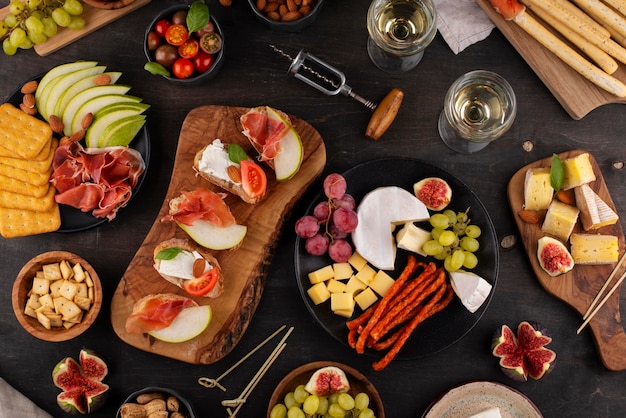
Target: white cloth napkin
(462, 23)
(14, 404)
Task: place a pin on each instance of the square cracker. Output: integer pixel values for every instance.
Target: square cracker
(20, 223)
(21, 201)
(30, 177)
(35, 165)
(10, 184)
(22, 134)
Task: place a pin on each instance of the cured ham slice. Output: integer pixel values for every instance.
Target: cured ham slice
(97, 180)
(154, 312)
(264, 132)
(202, 204)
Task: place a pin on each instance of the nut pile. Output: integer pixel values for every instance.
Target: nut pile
(285, 10)
(153, 405)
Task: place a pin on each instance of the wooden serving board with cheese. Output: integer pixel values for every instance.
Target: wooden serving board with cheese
(95, 18)
(245, 267)
(579, 286)
(576, 94)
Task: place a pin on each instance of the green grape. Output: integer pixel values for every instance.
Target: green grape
(37, 38)
(17, 37)
(33, 4)
(323, 406)
(462, 217)
(447, 238)
(76, 23)
(470, 260)
(11, 21)
(346, 401)
(432, 247)
(73, 7)
(61, 17)
(311, 404)
(439, 220)
(361, 401)
(451, 215)
(333, 398)
(3, 29)
(436, 233)
(336, 411)
(300, 394)
(16, 7)
(49, 26)
(469, 244)
(278, 411)
(34, 25)
(472, 231)
(367, 413)
(8, 48)
(27, 44)
(454, 261)
(290, 400)
(295, 412)
(445, 251)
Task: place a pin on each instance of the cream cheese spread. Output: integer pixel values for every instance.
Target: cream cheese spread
(215, 161)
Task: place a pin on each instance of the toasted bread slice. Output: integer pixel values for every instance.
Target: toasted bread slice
(186, 245)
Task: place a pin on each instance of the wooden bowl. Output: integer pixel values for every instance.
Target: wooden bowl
(23, 284)
(301, 375)
(108, 4)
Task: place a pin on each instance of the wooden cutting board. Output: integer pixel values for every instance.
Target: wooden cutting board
(94, 19)
(580, 285)
(577, 95)
(246, 267)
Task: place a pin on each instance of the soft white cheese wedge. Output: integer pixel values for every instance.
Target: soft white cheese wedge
(594, 212)
(412, 238)
(472, 289)
(379, 211)
(488, 413)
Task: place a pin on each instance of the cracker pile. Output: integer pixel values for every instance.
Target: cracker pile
(27, 204)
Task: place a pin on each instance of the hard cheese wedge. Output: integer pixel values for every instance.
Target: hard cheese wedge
(594, 249)
(560, 220)
(538, 191)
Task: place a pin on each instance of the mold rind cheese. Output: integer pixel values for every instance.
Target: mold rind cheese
(594, 212)
(538, 191)
(560, 220)
(594, 248)
(578, 171)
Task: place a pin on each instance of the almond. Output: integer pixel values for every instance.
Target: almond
(29, 100)
(226, 3)
(30, 87)
(274, 16)
(77, 136)
(292, 6)
(566, 196)
(28, 110)
(102, 80)
(291, 16)
(530, 216)
(270, 7)
(234, 173)
(87, 119)
(56, 124)
(198, 267)
(260, 4)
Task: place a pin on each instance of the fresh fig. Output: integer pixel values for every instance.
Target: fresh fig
(434, 192)
(553, 256)
(524, 354)
(83, 390)
(326, 381)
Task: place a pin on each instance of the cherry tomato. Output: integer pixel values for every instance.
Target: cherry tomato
(161, 27)
(182, 68)
(203, 61)
(189, 49)
(211, 43)
(203, 284)
(208, 28)
(176, 35)
(180, 17)
(253, 179)
(166, 55)
(153, 41)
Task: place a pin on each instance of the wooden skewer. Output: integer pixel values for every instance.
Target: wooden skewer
(606, 284)
(597, 308)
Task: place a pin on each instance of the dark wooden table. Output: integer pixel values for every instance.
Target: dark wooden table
(253, 75)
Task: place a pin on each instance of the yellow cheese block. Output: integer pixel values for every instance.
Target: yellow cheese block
(366, 298)
(342, 271)
(357, 261)
(578, 171)
(381, 282)
(318, 293)
(335, 286)
(538, 191)
(321, 274)
(560, 220)
(594, 249)
(594, 212)
(366, 274)
(354, 286)
(341, 302)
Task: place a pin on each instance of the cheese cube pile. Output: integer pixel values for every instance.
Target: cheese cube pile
(347, 285)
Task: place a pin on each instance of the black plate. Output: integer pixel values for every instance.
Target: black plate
(452, 323)
(72, 219)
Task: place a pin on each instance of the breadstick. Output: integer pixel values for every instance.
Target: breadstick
(604, 14)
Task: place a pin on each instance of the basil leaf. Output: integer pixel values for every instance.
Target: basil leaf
(168, 253)
(557, 173)
(156, 69)
(236, 153)
(198, 16)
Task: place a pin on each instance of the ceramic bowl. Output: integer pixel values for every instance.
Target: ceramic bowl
(292, 26)
(184, 406)
(196, 78)
(301, 375)
(24, 283)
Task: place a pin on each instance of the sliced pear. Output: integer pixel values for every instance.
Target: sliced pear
(79, 86)
(70, 112)
(215, 237)
(121, 132)
(189, 323)
(46, 82)
(289, 158)
(108, 115)
(60, 85)
(97, 103)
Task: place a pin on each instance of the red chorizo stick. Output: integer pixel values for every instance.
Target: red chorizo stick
(363, 318)
(380, 308)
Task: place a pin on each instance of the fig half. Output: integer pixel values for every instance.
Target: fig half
(554, 256)
(326, 381)
(434, 192)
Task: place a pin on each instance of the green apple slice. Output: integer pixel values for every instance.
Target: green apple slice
(121, 132)
(48, 80)
(108, 115)
(215, 237)
(70, 112)
(289, 158)
(59, 85)
(189, 323)
(95, 104)
(79, 86)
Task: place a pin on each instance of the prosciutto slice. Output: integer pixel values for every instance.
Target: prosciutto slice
(154, 312)
(264, 133)
(96, 180)
(202, 204)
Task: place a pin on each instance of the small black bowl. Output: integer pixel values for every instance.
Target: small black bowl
(293, 26)
(196, 78)
(185, 406)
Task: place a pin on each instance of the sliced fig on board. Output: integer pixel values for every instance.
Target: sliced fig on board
(554, 257)
(434, 192)
(326, 381)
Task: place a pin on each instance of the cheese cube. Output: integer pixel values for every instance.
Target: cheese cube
(354, 286)
(594, 212)
(335, 286)
(366, 274)
(381, 282)
(322, 274)
(366, 298)
(346, 313)
(412, 238)
(318, 293)
(594, 249)
(538, 191)
(357, 261)
(341, 302)
(578, 171)
(560, 220)
(342, 271)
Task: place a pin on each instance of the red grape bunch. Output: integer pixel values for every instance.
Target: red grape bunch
(327, 230)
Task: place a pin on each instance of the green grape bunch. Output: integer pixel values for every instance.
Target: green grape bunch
(32, 22)
(454, 240)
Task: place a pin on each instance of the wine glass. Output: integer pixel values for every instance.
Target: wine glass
(399, 31)
(479, 107)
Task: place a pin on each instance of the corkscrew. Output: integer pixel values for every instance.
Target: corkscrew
(331, 81)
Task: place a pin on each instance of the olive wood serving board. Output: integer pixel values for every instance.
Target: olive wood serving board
(244, 268)
(580, 285)
(94, 17)
(576, 94)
